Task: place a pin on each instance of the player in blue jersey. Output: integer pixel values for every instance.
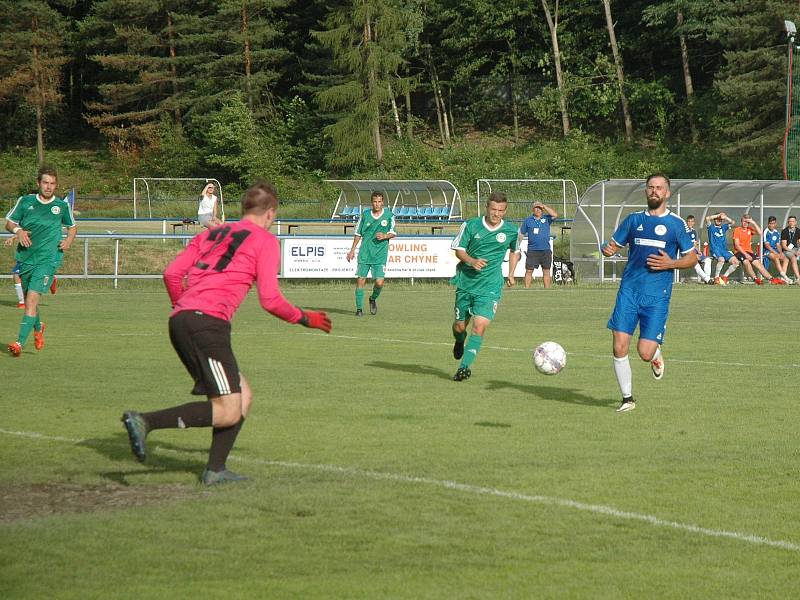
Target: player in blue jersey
(771, 241)
(654, 238)
(703, 266)
(538, 253)
(717, 226)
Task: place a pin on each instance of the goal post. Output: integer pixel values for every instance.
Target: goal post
(559, 194)
(171, 197)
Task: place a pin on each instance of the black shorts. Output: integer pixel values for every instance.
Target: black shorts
(538, 258)
(203, 344)
(742, 257)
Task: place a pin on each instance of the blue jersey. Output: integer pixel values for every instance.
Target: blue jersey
(646, 234)
(773, 238)
(716, 239)
(693, 237)
(538, 231)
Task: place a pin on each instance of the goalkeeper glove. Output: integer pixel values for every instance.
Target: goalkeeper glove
(315, 320)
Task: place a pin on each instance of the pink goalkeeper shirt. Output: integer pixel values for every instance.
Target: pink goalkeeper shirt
(217, 269)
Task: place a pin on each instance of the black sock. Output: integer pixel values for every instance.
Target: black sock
(222, 440)
(191, 414)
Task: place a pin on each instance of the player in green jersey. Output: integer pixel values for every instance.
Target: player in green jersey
(36, 221)
(481, 246)
(374, 230)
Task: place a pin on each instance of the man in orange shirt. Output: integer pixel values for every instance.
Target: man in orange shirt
(742, 246)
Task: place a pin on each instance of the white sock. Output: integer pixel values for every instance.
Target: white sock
(707, 267)
(730, 270)
(700, 273)
(20, 295)
(657, 355)
(718, 269)
(622, 369)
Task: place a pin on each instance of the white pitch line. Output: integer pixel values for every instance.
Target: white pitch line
(466, 488)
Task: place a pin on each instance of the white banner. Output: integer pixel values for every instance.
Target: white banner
(326, 257)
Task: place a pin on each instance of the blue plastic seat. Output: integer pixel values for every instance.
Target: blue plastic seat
(426, 212)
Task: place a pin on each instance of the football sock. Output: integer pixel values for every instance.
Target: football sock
(459, 335)
(718, 269)
(222, 440)
(700, 273)
(376, 291)
(25, 328)
(730, 270)
(359, 298)
(20, 294)
(37, 324)
(191, 414)
(471, 350)
(622, 369)
(657, 355)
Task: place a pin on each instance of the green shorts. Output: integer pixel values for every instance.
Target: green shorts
(363, 270)
(37, 278)
(476, 305)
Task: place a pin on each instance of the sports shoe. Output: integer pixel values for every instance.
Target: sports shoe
(38, 338)
(777, 281)
(137, 433)
(20, 305)
(373, 306)
(657, 365)
(462, 374)
(458, 349)
(225, 476)
(786, 280)
(711, 282)
(359, 313)
(724, 280)
(15, 348)
(758, 281)
(717, 281)
(53, 285)
(626, 404)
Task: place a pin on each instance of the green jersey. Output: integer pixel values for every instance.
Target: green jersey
(491, 244)
(43, 221)
(372, 251)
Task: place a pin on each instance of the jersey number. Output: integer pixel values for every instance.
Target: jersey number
(218, 235)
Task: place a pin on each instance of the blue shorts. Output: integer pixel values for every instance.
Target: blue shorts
(726, 254)
(649, 312)
(15, 268)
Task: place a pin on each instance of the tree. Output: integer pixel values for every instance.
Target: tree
(620, 71)
(552, 25)
(32, 37)
(366, 39)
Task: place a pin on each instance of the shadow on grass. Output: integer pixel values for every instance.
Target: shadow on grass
(161, 457)
(413, 369)
(557, 394)
(333, 311)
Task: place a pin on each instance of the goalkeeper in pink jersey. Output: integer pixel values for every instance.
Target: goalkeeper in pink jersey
(206, 283)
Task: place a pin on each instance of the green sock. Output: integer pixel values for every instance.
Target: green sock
(359, 298)
(37, 325)
(460, 335)
(471, 350)
(376, 291)
(25, 328)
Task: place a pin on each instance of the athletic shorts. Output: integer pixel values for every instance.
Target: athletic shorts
(37, 278)
(726, 255)
(468, 304)
(363, 270)
(204, 219)
(203, 344)
(538, 258)
(792, 252)
(649, 312)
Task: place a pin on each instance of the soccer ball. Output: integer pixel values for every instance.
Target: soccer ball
(549, 358)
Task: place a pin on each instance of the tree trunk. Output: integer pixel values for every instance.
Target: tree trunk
(687, 79)
(620, 72)
(372, 89)
(395, 114)
(248, 58)
(450, 112)
(38, 74)
(173, 69)
(552, 24)
(409, 122)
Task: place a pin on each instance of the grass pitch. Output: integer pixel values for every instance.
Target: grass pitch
(374, 475)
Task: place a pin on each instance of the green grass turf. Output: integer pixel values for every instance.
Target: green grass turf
(354, 436)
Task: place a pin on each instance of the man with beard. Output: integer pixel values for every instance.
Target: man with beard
(654, 237)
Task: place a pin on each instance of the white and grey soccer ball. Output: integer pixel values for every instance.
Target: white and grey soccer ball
(549, 358)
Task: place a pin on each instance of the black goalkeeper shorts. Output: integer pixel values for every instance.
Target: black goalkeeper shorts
(203, 344)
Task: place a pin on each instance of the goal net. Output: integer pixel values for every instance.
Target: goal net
(172, 197)
(559, 194)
